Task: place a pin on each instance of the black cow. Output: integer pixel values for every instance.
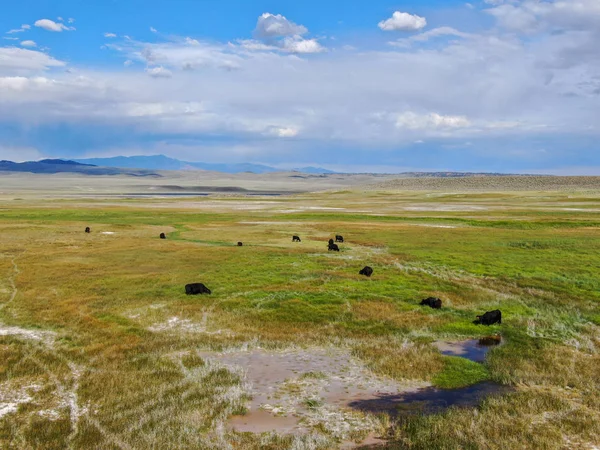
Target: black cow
(489, 318)
(162, 236)
(87, 230)
(240, 244)
(334, 247)
(330, 241)
(339, 238)
(432, 302)
(296, 239)
(196, 288)
(366, 271)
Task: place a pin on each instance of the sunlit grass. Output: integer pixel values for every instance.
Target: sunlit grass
(113, 349)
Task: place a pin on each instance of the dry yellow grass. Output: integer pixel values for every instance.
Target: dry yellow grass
(92, 357)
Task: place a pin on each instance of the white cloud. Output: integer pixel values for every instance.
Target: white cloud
(277, 33)
(110, 35)
(493, 85)
(128, 63)
(19, 30)
(432, 121)
(10, 38)
(534, 15)
(159, 72)
(431, 34)
(298, 45)
(282, 132)
(71, 20)
(271, 25)
(253, 45)
(21, 61)
(401, 21)
(28, 44)
(154, 30)
(50, 25)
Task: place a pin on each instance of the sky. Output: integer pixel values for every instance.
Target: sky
(367, 86)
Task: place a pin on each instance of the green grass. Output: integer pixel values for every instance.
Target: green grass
(106, 303)
(460, 372)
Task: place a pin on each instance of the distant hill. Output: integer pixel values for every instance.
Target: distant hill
(50, 166)
(162, 162)
(314, 170)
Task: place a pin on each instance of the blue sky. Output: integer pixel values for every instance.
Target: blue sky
(491, 85)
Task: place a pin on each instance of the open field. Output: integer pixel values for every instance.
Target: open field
(101, 348)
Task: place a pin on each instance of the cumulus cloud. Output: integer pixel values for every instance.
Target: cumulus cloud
(28, 44)
(482, 87)
(299, 45)
(110, 35)
(277, 33)
(401, 21)
(271, 25)
(22, 61)
(50, 25)
(154, 30)
(19, 30)
(159, 72)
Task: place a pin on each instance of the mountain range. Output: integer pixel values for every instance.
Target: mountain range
(50, 166)
(162, 162)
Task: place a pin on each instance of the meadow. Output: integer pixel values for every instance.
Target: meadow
(101, 348)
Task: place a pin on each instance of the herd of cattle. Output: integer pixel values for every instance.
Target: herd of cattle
(489, 318)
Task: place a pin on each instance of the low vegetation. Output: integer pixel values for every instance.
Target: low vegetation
(101, 348)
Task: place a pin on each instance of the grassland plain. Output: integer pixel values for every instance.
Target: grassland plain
(100, 347)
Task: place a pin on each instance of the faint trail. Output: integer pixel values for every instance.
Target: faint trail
(114, 439)
(462, 277)
(73, 401)
(71, 397)
(13, 285)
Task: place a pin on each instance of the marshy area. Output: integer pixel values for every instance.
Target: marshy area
(100, 347)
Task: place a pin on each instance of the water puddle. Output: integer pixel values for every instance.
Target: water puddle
(472, 349)
(431, 400)
(294, 391)
(261, 421)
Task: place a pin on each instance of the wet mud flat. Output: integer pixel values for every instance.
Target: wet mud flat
(295, 390)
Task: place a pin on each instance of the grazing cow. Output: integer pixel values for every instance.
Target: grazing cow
(366, 271)
(489, 341)
(87, 230)
(339, 238)
(334, 247)
(162, 236)
(330, 241)
(489, 318)
(240, 244)
(296, 239)
(196, 288)
(432, 302)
